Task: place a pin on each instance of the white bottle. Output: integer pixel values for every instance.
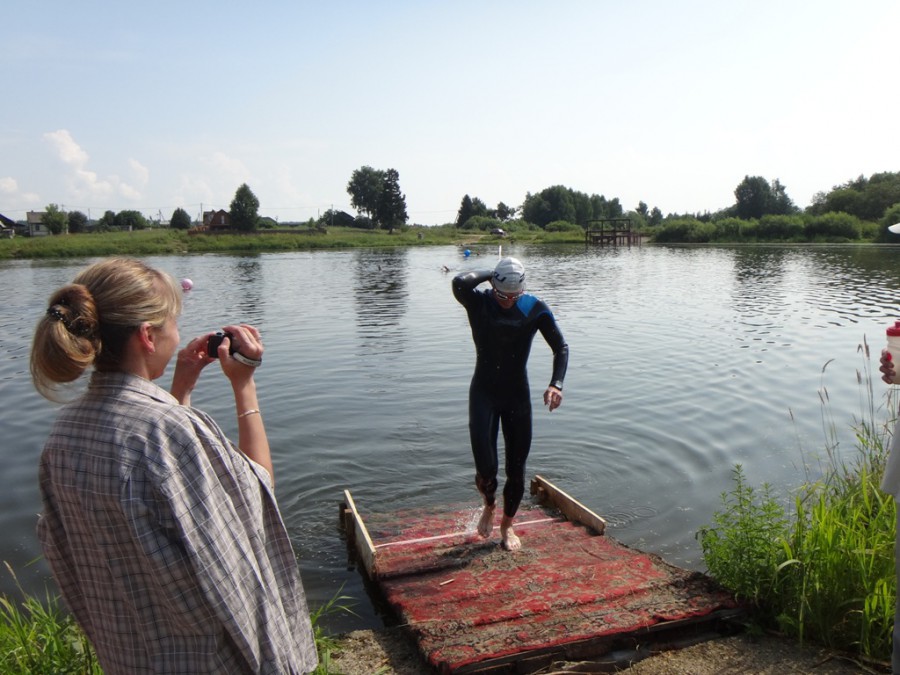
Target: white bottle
(893, 346)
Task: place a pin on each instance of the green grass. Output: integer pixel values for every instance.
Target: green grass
(823, 573)
(164, 241)
(40, 637)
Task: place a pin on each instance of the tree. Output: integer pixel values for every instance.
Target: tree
(550, 204)
(781, 204)
(130, 220)
(77, 222)
(755, 197)
(391, 208)
(656, 216)
(364, 188)
(752, 197)
(465, 212)
(865, 198)
(106, 223)
(469, 208)
(244, 209)
(55, 219)
(505, 212)
(180, 219)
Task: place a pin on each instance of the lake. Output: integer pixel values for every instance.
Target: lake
(685, 361)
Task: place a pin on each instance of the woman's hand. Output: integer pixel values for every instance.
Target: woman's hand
(248, 343)
(190, 362)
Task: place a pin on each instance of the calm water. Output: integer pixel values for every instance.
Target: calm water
(684, 362)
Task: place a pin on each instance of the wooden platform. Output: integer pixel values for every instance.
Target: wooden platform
(570, 593)
(612, 232)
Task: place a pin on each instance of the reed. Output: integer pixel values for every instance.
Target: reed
(824, 573)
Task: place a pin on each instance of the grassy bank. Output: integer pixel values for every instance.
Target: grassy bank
(37, 637)
(163, 241)
(819, 567)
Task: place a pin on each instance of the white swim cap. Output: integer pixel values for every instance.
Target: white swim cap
(509, 276)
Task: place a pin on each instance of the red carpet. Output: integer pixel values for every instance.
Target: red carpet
(471, 604)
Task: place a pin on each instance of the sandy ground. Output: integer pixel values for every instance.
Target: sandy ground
(391, 651)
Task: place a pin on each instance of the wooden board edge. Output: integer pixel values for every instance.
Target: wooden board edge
(569, 506)
(359, 535)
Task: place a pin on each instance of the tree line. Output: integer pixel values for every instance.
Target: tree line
(761, 208)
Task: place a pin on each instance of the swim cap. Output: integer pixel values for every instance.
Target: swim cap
(509, 276)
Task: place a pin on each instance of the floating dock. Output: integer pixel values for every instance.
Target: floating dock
(571, 593)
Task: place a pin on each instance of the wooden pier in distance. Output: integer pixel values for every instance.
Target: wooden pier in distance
(611, 232)
(571, 593)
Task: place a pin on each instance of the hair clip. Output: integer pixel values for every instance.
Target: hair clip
(54, 313)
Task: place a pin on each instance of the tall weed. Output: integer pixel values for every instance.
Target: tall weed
(824, 573)
(38, 638)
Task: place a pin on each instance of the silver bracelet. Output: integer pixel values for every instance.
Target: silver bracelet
(249, 412)
(240, 358)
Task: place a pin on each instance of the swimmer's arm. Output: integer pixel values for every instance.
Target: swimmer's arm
(554, 337)
(464, 284)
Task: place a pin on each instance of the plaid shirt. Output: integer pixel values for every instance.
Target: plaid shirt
(166, 540)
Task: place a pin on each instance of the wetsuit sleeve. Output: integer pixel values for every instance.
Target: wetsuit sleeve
(554, 337)
(464, 284)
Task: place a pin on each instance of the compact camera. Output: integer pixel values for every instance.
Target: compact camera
(212, 345)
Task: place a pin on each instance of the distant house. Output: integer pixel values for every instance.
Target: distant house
(7, 227)
(216, 220)
(34, 221)
(341, 219)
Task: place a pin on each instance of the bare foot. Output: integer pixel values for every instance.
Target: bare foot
(486, 522)
(510, 541)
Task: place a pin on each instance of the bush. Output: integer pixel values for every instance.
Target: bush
(734, 229)
(891, 217)
(834, 226)
(685, 231)
(484, 223)
(780, 228)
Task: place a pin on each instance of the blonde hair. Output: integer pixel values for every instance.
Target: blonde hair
(89, 321)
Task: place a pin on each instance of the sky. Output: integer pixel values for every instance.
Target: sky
(163, 105)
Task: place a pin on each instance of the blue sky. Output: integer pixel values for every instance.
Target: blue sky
(154, 106)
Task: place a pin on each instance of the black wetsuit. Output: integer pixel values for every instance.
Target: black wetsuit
(499, 392)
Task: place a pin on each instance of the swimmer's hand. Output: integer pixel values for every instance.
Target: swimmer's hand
(552, 398)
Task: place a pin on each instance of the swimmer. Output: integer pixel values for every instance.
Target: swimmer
(504, 320)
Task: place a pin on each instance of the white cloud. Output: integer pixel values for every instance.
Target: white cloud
(9, 186)
(69, 151)
(228, 167)
(85, 184)
(15, 200)
(140, 172)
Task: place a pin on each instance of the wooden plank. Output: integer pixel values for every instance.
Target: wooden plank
(356, 529)
(570, 507)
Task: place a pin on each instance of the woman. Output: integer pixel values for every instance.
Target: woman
(165, 538)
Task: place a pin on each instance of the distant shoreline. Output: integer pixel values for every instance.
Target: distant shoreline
(181, 242)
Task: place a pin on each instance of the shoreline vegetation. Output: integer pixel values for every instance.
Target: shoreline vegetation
(164, 241)
(795, 229)
(817, 568)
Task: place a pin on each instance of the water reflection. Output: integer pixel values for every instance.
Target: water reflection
(380, 292)
(245, 275)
